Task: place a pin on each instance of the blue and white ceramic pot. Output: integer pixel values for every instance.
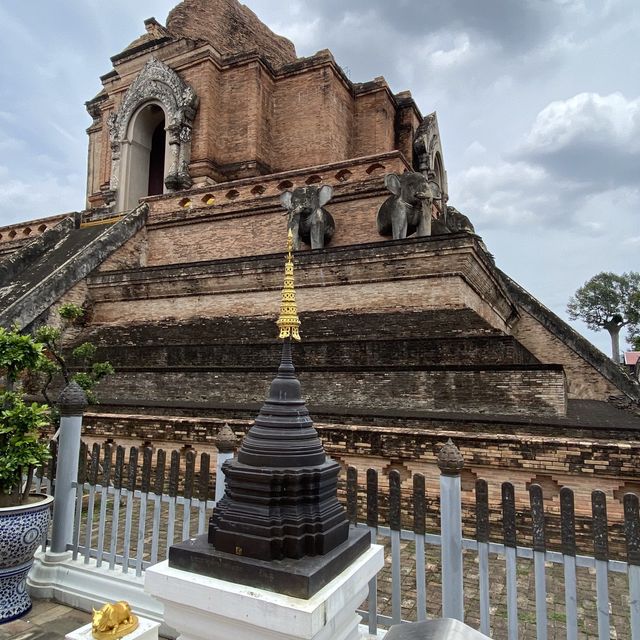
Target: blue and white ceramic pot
(22, 529)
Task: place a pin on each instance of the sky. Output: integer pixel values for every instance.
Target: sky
(538, 103)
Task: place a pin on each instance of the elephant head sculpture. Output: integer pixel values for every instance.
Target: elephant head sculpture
(408, 210)
(308, 219)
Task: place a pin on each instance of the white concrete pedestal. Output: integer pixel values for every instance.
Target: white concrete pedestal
(203, 608)
(146, 630)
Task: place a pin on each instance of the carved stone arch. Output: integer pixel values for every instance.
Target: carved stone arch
(429, 158)
(155, 84)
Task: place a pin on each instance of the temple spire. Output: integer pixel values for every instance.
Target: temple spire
(288, 322)
(279, 525)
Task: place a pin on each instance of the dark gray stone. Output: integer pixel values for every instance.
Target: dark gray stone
(450, 460)
(72, 400)
(281, 489)
(457, 221)
(408, 210)
(308, 219)
(300, 578)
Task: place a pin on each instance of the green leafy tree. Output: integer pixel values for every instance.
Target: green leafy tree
(608, 301)
(81, 367)
(18, 353)
(21, 447)
(21, 450)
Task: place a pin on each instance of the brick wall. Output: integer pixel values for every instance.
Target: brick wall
(375, 132)
(253, 121)
(583, 381)
(532, 389)
(583, 461)
(354, 353)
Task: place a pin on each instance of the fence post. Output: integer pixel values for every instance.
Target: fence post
(72, 403)
(450, 462)
(632, 534)
(226, 443)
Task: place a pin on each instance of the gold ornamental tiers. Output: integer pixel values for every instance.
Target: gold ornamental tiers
(288, 322)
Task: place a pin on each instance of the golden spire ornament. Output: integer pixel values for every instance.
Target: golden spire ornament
(288, 322)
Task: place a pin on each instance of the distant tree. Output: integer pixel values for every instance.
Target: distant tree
(608, 301)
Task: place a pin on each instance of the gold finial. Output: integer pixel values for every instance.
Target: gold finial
(288, 322)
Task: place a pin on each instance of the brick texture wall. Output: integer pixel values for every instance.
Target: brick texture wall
(532, 390)
(584, 381)
(253, 120)
(583, 461)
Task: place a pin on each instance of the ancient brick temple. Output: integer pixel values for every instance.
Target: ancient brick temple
(204, 131)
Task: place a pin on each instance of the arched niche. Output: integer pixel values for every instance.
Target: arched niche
(157, 95)
(144, 156)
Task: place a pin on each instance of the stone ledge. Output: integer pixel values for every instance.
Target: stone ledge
(296, 578)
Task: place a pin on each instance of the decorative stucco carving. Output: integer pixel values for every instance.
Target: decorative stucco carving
(428, 150)
(429, 160)
(158, 82)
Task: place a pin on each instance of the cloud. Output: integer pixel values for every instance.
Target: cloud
(38, 196)
(526, 195)
(589, 137)
(575, 169)
(504, 193)
(515, 24)
(589, 117)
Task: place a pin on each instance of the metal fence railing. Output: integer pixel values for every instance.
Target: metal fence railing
(523, 568)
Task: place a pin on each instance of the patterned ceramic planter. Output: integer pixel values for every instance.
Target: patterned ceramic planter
(21, 531)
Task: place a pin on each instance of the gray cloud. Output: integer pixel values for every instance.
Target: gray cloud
(538, 170)
(589, 138)
(514, 24)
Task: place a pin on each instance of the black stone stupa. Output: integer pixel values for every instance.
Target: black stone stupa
(279, 526)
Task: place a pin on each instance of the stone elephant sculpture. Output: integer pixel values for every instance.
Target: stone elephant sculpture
(308, 219)
(457, 221)
(408, 210)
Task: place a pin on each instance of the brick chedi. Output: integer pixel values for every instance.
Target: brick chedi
(210, 138)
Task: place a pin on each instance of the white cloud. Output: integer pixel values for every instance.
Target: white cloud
(587, 117)
(522, 194)
(460, 52)
(504, 193)
(475, 149)
(302, 33)
(39, 197)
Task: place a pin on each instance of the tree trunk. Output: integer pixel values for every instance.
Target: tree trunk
(615, 343)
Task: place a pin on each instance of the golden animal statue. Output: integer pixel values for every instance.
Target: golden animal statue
(113, 621)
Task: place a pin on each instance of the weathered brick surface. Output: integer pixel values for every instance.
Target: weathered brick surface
(231, 27)
(364, 351)
(434, 325)
(245, 217)
(254, 119)
(583, 461)
(374, 112)
(13, 236)
(584, 382)
(531, 389)
(427, 273)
